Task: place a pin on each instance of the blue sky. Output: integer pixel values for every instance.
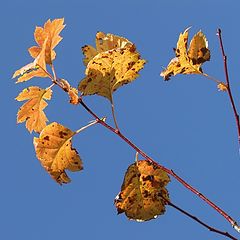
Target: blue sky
(184, 124)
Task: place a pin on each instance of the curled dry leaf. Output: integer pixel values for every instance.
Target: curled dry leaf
(109, 70)
(143, 194)
(54, 151)
(72, 92)
(50, 31)
(34, 69)
(222, 86)
(32, 110)
(104, 42)
(188, 61)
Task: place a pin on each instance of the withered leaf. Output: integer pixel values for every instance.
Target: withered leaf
(143, 194)
(50, 31)
(222, 87)
(72, 92)
(188, 61)
(32, 110)
(35, 69)
(109, 70)
(54, 151)
(104, 42)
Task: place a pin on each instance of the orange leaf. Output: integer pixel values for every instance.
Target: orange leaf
(54, 151)
(32, 110)
(143, 192)
(34, 69)
(50, 31)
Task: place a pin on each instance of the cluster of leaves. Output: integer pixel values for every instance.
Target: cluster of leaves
(113, 62)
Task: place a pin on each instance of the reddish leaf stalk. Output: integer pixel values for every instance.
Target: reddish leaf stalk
(169, 171)
(199, 221)
(236, 115)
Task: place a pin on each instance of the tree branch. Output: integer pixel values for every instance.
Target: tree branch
(169, 171)
(199, 221)
(236, 115)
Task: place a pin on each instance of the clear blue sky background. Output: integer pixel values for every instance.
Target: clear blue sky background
(185, 124)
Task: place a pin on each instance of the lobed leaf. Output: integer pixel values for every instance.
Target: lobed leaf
(188, 61)
(143, 192)
(104, 42)
(109, 70)
(54, 151)
(32, 110)
(50, 31)
(34, 69)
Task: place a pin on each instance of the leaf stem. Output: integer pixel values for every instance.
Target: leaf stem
(236, 115)
(211, 78)
(87, 126)
(53, 71)
(169, 171)
(114, 115)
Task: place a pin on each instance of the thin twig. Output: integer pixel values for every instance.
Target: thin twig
(236, 115)
(169, 171)
(114, 115)
(87, 126)
(212, 229)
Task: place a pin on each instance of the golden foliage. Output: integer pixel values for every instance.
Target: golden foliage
(104, 42)
(109, 70)
(32, 110)
(143, 192)
(47, 39)
(34, 69)
(50, 31)
(54, 151)
(188, 61)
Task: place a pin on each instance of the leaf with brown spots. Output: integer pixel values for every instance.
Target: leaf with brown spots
(32, 110)
(104, 42)
(109, 70)
(54, 151)
(35, 69)
(50, 31)
(188, 61)
(143, 194)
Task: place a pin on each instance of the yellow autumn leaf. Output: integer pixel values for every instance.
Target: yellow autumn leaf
(55, 152)
(32, 110)
(104, 42)
(188, 61)
(143, 194)
(35, 69)
(50, 31)
(109, 70)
